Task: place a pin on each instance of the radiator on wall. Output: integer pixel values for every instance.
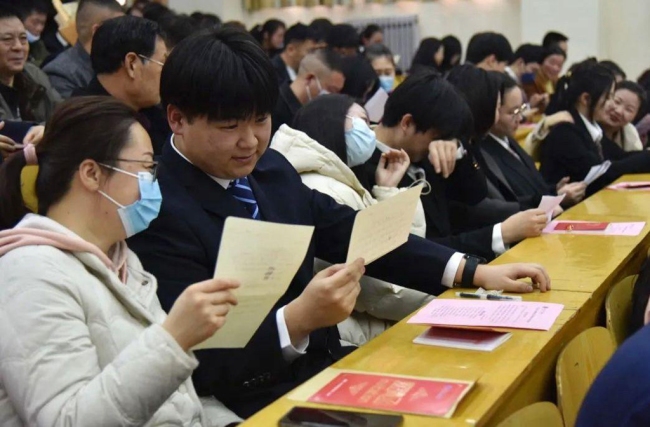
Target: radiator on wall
(401, 35)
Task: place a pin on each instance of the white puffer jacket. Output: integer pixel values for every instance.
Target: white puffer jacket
(322, 170)
(78, 347)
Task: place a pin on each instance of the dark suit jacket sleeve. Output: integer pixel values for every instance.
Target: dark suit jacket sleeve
(487, 212)
(468, 183)
(172, 251)
(419, 264)
(474, 242)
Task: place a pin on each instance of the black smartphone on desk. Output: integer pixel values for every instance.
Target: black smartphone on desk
(316, 417)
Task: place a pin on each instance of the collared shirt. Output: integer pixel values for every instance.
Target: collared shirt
(289, 352)
(292, 73)
(594, 129)
(505, 144)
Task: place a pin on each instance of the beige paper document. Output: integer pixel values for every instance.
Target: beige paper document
(383, 227)
(264, 257)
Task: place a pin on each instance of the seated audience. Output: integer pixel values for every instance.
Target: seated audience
(628, 106)
(428, 57)
(128, 55)
(546, 77)
(222, 87)
(523, 66)
(72, 69)
(321, 28)
(553, 38)
(420, 117)
(25, 91)
(177, 28)
(270, 35)
(372, 34)
(489, 51)
(382, 61)
(615, 69)
(33, 13)
(336, 139)
(84, 336)
(361, 81)
(299, 40)
(343, 39)
(320, 72)
(512, 170)
(620, 394)
(571, 149)
(453, 51)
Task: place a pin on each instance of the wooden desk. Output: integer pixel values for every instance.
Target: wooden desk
(521, 371)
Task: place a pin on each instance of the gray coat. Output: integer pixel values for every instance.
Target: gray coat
(71, 70)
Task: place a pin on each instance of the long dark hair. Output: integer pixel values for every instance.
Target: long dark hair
(452, 47)
(586, 77)
(638, 90)
(82, 128)
(424, 56)
(481, 91)
(323, 120)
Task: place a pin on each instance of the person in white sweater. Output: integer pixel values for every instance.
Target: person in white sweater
(328, 166)
(84, 339)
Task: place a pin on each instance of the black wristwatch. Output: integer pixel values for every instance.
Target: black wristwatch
(471, 263)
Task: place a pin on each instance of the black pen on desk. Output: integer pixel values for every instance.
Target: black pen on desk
(487, 296)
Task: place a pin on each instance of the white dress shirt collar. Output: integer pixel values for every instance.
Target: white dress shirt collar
(594, 129)
(225, 183)
(291, 72)
(505, 144)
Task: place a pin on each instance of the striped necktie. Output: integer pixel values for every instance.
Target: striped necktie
(240, 189)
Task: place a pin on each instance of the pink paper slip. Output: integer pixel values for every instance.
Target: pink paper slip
(613, 229)
(631, 186)
(483, 314)
(411, 395)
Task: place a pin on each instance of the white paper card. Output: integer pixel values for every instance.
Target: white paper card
(264, 257)
(549, 203)
(383, 227)
(375, 105)
(596, 172)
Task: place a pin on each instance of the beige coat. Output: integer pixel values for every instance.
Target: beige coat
(322, 170)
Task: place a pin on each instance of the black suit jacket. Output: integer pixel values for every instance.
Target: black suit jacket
(436, 203)
(280, 69)
(182, 245)
(569, 150)
(285, 109)
(518, 180)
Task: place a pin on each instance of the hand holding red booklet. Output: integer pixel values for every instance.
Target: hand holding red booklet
(581, 226)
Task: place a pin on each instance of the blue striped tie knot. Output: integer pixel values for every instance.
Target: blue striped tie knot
(241, 190)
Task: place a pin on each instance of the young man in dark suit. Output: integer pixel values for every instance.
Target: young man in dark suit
(219, 89)
(299, 40)
(513, 171)
(423, 109)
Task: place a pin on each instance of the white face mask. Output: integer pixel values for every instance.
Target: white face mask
(321, 91)
(31, 38)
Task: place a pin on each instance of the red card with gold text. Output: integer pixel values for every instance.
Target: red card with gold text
(412, 395)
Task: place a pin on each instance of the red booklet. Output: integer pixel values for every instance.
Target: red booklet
(581, 226)
(413, 395)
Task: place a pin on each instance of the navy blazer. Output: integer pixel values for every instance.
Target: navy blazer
(182, 245)
(569, 150)
(518, 180)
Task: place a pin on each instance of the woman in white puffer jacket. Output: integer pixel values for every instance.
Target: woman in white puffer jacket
(83, 338)
(326, 166)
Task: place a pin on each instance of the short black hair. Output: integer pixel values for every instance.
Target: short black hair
(219, 74)
(553, 37)
(177, 28)
(588, 77)
(29, 7)
(105, 4)
(329, 59)
(378, 50)
(361, 81)
(529, 53)
(614, 68)
(116, 37)
(638, 90)
(452, 47)
(425, 53)
(298, 33)
(551, 50)
(157, 12)
(7, 11)
(343, 35)
(507, 83)
(370, 30)
(434, 104)
(482, 45)
(321, 28)
(206, 20)
(323, 120)
(481, 90)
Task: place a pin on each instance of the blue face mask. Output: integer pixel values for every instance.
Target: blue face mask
(360, 142)
(387, 82)
(137, 216)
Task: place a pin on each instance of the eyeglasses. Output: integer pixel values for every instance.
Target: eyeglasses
(162, 64)
(153, 163)
(521, 110)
